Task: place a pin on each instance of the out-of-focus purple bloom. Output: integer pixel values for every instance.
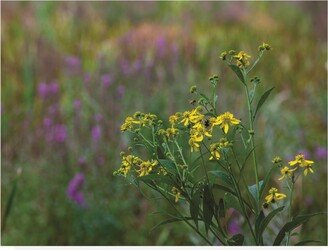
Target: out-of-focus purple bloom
(96, 133)
(53, 109)
(137, 65)
(53, 88)
(233, 227)
(59, 133)
(321, 153)
(74, 189)
(82, 160)
(101, 160)
(106, 80)
(120, 90)
(161, 44)
(43, 90)
(77, 104)
(125, 67)
(98, 117)
(47, 122)
(72, 62)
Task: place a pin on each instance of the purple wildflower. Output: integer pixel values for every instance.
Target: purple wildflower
(74, 189)
(72, 62)
(96, 133)
(53, 88)
(82, 160)
(59, 133)
(321, 152)
(43, 90)
(233, 227)
(47, 122)
(160, 44)
(87, 78)
(106, 80)
(120, 91)
(98, 117)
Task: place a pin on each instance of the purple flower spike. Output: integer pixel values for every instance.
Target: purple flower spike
(60, 133)
(98, 117)
(120, 91)
(77, 104)
(106, 80)
(96, 133)
(72, 62)
(43, 90)
(74, 189)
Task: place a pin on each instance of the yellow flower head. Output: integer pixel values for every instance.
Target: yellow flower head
(176, 193)
(286, 172)
(127, 163)
(146, 167)
(242, 59)
(301, 161)
(274, 195)
(195, 139)
(225, 120)
(200, 128)
(173, 119)
(129, 124)
(307, 169)
(215, 151)
(194, 116)
(171, 132)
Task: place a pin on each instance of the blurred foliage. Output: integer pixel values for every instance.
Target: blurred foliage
(110, 59)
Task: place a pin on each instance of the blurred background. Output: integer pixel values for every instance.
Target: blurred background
(72, 71)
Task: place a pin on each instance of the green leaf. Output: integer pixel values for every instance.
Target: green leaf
(168, 165)
(266, 180)
(304, 242)
(168, 221)
(262, 100)
(265, 222)
(9, 204)
(221, 209)
(208, 207)
(223, 188)
(223, 177)
(157, 178)
(194, 205)
(236, 240)
(238, 72)
(232, 202)
(289, 226)
(253, 189)
(258, 222)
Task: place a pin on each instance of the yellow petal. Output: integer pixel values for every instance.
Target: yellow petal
(280, 196)
(282, 177)
(226, 128)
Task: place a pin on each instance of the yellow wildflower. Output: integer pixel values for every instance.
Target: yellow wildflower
(171, 132)
(242, 59)
(162, 171)
(193, 116)
(308, 168)
(127, 163)
(173, 119)
(286, 172)
(129, 124)
(215, 151)
(300, 159)
(274, 195)
(200, 128)
(147, 119)
(146, 167)
(225, 120)
(176, 193)
(195, 139)
(224, 143)
(276, 160)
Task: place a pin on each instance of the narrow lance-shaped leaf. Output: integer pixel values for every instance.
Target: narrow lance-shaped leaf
(253, 190)
(223, 177)
(194, 205)
(208, 205)
(289, 226)
(236, 240)
(238, 72)
(265, 222)
(262, 100)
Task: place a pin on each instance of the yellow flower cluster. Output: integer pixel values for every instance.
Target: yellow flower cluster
(143, 167)
(273, 196)
(138, 120)
(300, 161)
(242, 59)
(215, 148)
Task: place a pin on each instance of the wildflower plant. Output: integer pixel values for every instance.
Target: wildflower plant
(191, 161)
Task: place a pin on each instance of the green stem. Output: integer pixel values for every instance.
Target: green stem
(186, 221)
(251, 127)
(290, 209)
